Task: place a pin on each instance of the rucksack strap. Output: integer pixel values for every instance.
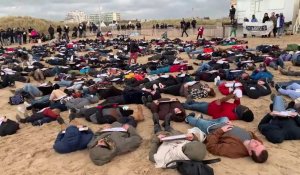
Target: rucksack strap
(210, 161)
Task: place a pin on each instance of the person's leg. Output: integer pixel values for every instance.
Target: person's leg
(234, 32)
(116, 99)
(196, 106)
(293, 86)
(173, 90)
(291, 93)
(204, 67)
(278, 104)
(204, 124)
(32, 90)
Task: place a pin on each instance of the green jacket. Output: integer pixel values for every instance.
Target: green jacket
(124, 142)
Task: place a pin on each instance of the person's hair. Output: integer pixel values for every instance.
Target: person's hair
(211, 92)
(261, 158)
(248, 116)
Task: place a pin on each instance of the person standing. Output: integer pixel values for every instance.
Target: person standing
(265, 19)
(59, 31)
(200, 32)
(280, 24)
(66, 30)
(233, 28)
(194, 23)
(273, 18)
(254, 19)
(134, 49)
(51, 32)
(232, 13)
(24, 34)
(184, 30)
(182, 23)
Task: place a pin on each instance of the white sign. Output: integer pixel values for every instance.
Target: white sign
(257, 28)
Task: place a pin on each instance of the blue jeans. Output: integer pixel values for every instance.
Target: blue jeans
(291, 91)
(204, 67)
(197, 106)
(41, 100)
(195, 52)
(204, 124)
(64, 83)
(32, 90)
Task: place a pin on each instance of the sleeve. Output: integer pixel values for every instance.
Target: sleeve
(297, 120)
(134, 140)
(237, 101)
(264, 122)
(221, 148)
(155, 143)
(94, 140)
(59, 137)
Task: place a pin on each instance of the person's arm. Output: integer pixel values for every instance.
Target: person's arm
(134, 140)
(228, 149)
(226, 98)
(264, 122)
(155, 143)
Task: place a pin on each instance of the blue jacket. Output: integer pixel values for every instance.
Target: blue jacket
(72, 140)
(261, 76)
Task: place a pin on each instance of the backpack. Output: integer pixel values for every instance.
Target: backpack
(190, 167)
(16, 99)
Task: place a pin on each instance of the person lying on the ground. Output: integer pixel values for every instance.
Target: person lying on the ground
(36, 91)
(117, 139)
(132, 96)
(290, 89)
(165, 108)
(221, 108)
(273, 62)
(255, 89)
(225, 139)
(7, 126)
(289, 72)
(212, 65)
(281, 123)
(46, 115)
(232, 87)
(261, 73)
(107, 114)
(79, 103)
(190, 147)
(224, 74)
(193, 88)
(72, 137)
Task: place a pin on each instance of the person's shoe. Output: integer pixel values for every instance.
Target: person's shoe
(19, 119)
(272, 97)
(72, 116)
(291, 105)
(144, 100)
(60, 120)
(189, 99)
(149, 98)
(192, 114)
(277, 86)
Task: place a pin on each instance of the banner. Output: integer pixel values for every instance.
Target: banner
(257, 28)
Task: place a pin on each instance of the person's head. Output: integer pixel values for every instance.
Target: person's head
(177, 111)
(232, 6)
(273, 13)
(266, 14)
(244, 113)
(256, 150)
(253, 16)
(103, 151)
(194, 150)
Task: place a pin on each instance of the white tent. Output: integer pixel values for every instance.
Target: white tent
(102, 24)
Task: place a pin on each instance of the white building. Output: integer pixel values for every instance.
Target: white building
(247, 8)
(107, 17)
(76, 17)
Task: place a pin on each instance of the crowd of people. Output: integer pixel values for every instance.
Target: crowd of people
(95, 80)
(278, 21)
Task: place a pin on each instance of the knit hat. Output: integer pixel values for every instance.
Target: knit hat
(101, 156)
(244, 113)
(201, 136)
(194, 150)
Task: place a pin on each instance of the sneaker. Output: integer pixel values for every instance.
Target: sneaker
(60, 120)
(277, 87)
(144, 100)
(19, 119)
(149, 98)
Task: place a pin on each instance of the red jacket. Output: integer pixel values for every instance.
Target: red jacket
(225, 90)
(200, 30)
(226, 109)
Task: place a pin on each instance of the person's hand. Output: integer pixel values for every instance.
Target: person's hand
(160, 136)
(173, 99)
(218, 102)
(156, 102)
(260, 82)
(106, 126)
(126, 127)
(190, 136)
(293, 114)
(227, 128)
(229, 123)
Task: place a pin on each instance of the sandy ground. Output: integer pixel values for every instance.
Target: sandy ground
(30, 150)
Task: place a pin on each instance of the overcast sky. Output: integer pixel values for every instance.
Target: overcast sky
(129, 9)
